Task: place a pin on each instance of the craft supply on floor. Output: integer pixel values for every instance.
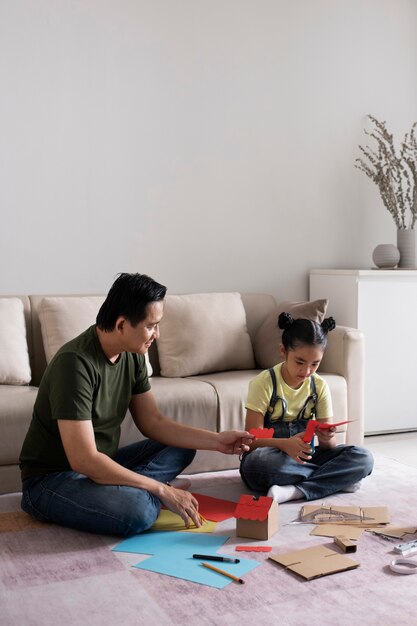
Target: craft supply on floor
(253, 548)
(223, 573)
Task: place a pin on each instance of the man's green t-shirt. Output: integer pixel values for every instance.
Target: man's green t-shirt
(80, 383)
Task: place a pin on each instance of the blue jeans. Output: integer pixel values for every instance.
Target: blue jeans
(71, 499)
(327, 472)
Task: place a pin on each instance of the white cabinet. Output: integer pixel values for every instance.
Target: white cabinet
(383, 305)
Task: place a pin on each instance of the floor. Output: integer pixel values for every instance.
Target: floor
(53, 575)
(399, 446)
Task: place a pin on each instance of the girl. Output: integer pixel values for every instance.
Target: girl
(285, 398)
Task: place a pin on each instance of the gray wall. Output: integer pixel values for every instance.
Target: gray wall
(208, 143)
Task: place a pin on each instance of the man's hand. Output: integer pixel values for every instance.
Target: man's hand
(234, 441)
(296, 448)
(181, 502)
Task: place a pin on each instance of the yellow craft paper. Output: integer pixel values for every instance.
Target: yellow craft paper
(168, 520)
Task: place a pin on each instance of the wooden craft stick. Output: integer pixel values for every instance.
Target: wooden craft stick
(220, 571)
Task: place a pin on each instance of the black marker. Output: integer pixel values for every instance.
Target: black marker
(210, 557)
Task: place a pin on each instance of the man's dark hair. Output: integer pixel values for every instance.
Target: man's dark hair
(129, 296)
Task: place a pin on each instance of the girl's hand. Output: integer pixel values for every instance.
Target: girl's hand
(326, 437)
(234, 441)
(296, 448)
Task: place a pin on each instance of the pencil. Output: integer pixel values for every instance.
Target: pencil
(221, 571)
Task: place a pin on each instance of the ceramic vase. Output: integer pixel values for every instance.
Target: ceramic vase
(386, 256)
(406, 244)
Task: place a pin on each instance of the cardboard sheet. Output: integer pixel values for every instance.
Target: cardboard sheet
(334, 530)
(314, 562)
(396, 532)
(366, 517)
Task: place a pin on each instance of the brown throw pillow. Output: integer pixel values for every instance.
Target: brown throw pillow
(269, 336)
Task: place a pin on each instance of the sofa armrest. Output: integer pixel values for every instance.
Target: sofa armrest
(344, 355)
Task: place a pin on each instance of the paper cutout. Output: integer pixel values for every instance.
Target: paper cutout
(325, 514)
(215, 509)
(262, 433)
(173, 556)
(327, 425)
(314, 425)
(334, 530)
(253, 548)
(167, 520)
(253, 508)
(192, 569)
(310, 431)
(179, 543)
(314, 562)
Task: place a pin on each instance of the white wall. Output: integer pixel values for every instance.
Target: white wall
(208, 143)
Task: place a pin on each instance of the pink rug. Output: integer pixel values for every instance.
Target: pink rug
(51, 575)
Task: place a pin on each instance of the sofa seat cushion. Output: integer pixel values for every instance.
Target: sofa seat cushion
(185, 400)
(16, 406)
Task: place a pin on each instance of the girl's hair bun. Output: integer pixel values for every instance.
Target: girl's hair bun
(285, 320)
(328, 324)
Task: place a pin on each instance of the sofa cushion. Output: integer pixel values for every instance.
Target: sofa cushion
(63, 318)
(202, 333)
(269, 336)
(16, 406)
(14, 355)
(232, 390)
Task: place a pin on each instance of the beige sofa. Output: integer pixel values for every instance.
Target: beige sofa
(213, 400)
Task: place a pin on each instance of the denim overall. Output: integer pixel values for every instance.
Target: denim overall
(288, 429)
(328, 471)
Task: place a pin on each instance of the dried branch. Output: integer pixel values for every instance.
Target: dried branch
(394, 174)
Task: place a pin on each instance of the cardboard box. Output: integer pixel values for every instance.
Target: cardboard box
(314, 562)
(256, 517)
(345, 544)
(353, 515)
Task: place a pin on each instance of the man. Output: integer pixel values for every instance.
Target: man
(73, 471)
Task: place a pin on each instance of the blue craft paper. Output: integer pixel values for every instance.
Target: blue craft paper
(191, 569)
(182, 544)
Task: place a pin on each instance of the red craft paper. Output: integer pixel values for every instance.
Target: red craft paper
(253, 548)
(310, 430)
(327, 425)
(314, 425)
(262, 433)
(252, 508)
(215, 509)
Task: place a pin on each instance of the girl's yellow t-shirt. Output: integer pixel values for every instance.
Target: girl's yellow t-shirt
(260, 392)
